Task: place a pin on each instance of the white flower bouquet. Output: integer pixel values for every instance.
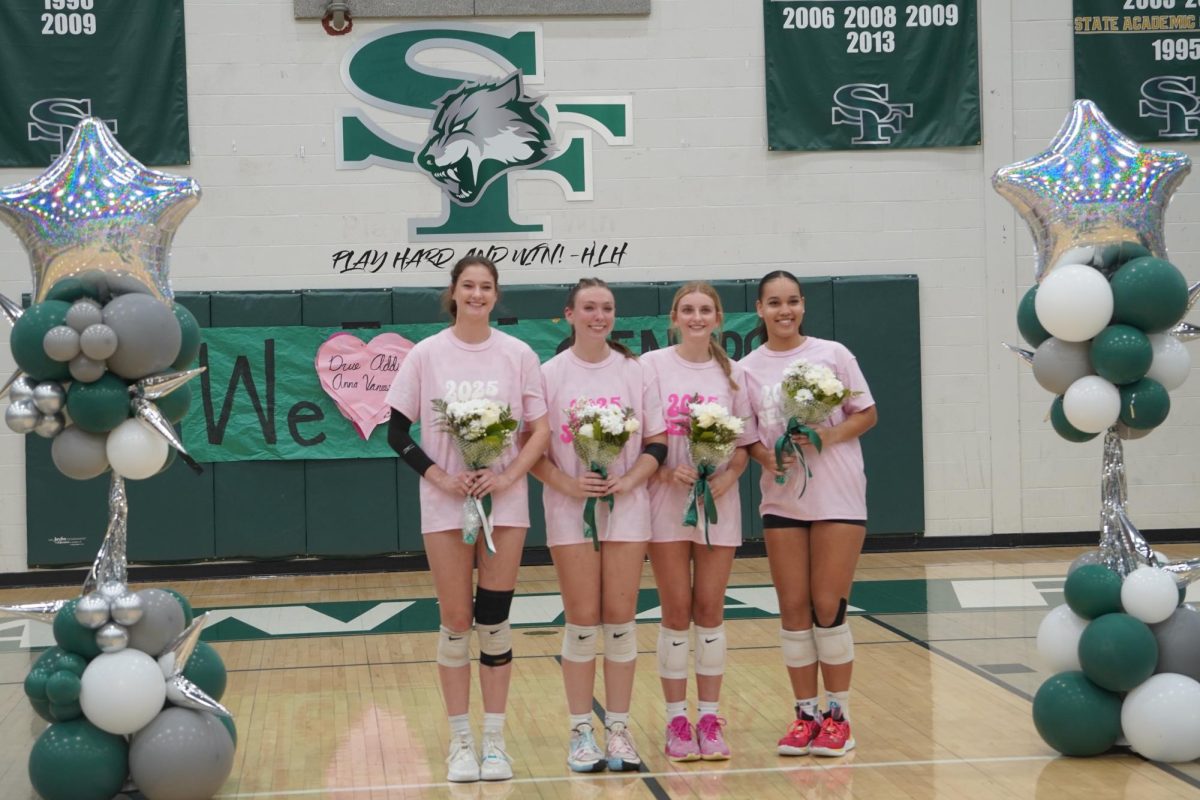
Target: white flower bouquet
(712, 437)
(808, 395)
(598, 433)
(482, 430)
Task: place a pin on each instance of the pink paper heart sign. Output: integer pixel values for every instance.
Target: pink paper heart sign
(358, 374)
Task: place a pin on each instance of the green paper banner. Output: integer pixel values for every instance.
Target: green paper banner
(1139, 61)
(871, 74)
(260, 398)
(122, 61)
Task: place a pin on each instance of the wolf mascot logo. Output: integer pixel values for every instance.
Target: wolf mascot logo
(481, 132)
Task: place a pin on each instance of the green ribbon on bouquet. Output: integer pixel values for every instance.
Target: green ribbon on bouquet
(484, 507)
(702, 492)
(785, 442)
(589, 508)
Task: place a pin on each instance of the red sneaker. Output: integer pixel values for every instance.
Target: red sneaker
(799, 737)
(834, 738)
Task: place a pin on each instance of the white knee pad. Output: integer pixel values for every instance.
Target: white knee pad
(620, 641)
(835, 645)
(710, 650)
(495, 644)
(672, 653)
(799, 647)
(454, 647)
(579, 643)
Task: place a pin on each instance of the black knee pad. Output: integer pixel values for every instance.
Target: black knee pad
(492, 606)
(492, 628)
(838, 620)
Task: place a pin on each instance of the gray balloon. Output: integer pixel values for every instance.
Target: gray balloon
(98, 341)
(84, 313)
(1179, 642)
(1090, 557)
(86, 370)
(79, 454)
(161, 622)
(1058, 364)
(1127, 433)
(148, 335)
(21, 416)
(126, 284)
(97, 283)
(61, 343)
(181, 755)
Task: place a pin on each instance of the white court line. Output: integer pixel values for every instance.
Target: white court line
(628, 776)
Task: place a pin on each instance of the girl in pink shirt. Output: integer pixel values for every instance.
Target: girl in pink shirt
(695, 367)
(599, 583)
(814, 535)
(467, 361)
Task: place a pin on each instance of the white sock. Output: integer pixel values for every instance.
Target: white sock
(493, 723)
(580, 719)
(613, 717)
(839, 701)
(676, 710)
(708, 708)
(460, 725)
(810, 706)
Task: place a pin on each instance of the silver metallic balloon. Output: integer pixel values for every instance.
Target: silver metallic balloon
(49, 397)
(42, 611)
(157, 386)
(185, 694)
(21, 389)
(21, 417)
(61, 343)
(98, 208)
(1185, 332)
(83, 314)
(1092, 186)
(111, 638)
(86, 370)
(174, 659)
(10, 309)
(92, 611)
(126, 609)
(113, 589)
(1020, 352)
(1122, 546)
(98, 341)
(1193, 294)
(50, 425)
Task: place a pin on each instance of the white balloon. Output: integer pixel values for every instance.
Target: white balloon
(1172, 362)
(1058, 639)
(122, 691)
(1077, 255)
(1074, 302)
(135, 450)
(1150, 594)
(1091, 403)
(1161, 718)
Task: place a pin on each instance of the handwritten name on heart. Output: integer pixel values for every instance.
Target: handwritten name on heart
(358, 374)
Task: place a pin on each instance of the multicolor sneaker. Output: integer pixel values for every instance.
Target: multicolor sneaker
(712, 743)
(834, 738)
(622, 755)
(494, 763)
(799, 737)
(462, 765)
(585, 755)
(681, 740)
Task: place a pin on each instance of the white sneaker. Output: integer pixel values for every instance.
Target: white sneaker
(622, 755)
(585, 755)
(494, 763)
(462, 765)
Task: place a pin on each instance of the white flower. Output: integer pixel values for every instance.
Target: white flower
(585, 431)
(631, 425)
(803, 396)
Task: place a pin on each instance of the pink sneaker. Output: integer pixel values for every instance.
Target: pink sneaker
(712, 743)
(681, 741)
(799, 737)
(834, 739)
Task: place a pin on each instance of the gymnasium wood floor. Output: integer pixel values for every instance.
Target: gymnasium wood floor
(944, 674)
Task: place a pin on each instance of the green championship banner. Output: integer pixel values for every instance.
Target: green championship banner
(119, 60)
(871, 74)
(1139, 61)
(275, 393)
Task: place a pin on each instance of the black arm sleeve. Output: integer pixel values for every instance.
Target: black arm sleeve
(656, 450)
(402, 442)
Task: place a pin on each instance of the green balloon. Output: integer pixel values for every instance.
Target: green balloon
(1093, 590)
(49, 658)
(229, 726)
(1063, 427)
(100, 406)
(1121, 354)
(206, 670)
(73, 637)
(189, 346)
(188, 615)
(41, 707)
(1075, 716)
(35, 683)
(63, 712)
(174, 406)
(1144, 404)
(77, 761)
(27, 335)
(71, 289)
(1117, 652)
(63, 687)
(1149, 293)
(1027, 321)
(71, 663)
(1116, 255)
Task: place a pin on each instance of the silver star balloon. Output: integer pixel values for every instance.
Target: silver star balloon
(11, 309)
(1092, 186)
(174, 659)
(1020, 352)
(156, 386)
(1185, 332)
(44, 611)
(98, 209)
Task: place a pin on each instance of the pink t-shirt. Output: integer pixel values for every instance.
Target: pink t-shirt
(443, 367)
(838, 487)
(678, 381)
(616, 380)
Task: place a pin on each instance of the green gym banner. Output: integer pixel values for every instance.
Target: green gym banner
(121, 61)
(1139, 61)
(871, 74)
(260, 397)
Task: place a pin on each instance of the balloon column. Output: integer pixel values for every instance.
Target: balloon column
(1105, 319)
(102, 355)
